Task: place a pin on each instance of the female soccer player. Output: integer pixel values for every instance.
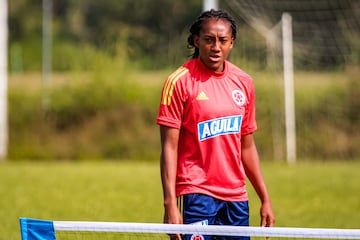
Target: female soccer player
(206, 118)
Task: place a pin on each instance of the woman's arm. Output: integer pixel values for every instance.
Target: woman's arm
(168, 167)
(252, 168)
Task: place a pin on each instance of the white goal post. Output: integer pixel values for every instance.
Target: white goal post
(210, 4)
(3, 80)
(288, 67)
(286, 21)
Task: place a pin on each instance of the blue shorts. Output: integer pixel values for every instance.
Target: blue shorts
(206, 210)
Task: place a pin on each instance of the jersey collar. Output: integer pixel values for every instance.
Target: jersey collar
(211, 72)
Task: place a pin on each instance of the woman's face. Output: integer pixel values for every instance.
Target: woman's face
(214, 42)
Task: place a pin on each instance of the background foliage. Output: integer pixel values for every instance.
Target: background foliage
(110, 60)
(150, 29)
(111, 115)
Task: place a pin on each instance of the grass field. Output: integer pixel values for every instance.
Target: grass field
(312, 194)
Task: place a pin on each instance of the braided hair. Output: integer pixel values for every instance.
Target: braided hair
(198, 24)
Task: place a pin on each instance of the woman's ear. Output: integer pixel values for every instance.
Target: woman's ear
(196, 41)
(232, 42)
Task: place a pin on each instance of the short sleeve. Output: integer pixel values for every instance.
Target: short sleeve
(172, 100)
(249, 122)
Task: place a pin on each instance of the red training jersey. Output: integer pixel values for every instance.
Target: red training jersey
(212, 110)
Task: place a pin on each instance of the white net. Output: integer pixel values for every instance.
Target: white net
(325, 32)
(119, 230)
(326, 58)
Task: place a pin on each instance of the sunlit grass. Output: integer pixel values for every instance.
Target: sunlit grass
(88, 191)
(312, 194)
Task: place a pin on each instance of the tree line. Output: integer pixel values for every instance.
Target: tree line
(152, 30)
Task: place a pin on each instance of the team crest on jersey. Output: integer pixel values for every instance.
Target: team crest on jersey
(197, 237)
(238, 97)
(219, 126)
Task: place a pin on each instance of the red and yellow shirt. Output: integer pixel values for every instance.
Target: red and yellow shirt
(212, 110)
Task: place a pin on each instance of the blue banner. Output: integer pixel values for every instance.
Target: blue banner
(33, 229)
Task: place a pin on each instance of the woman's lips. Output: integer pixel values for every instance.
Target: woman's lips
(214, 58)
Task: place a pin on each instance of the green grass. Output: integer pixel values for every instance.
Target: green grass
(313, 194)
(86, 191)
